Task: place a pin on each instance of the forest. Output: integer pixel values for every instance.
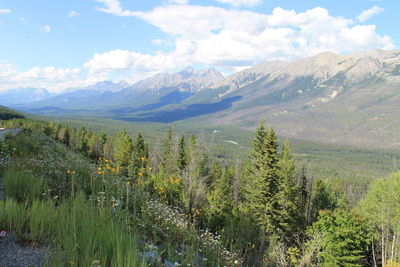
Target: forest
(102, 200)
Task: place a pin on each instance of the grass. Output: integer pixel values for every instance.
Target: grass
(78, 233)
(21, 185)
(89, 219)
(47, 187)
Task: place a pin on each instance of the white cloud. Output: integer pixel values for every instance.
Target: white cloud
(45, 28)
(367, 14)
(5, 11)
(114, 7)
(49, 77)
(161, 42)
(73, 13)
(241, 2)
(132, 63)
(179, 2)
(229, 39)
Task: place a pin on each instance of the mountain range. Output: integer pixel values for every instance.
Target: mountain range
(349, 99)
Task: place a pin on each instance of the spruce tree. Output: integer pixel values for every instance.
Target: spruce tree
(220, 199)
(139, 158)
(291, 219)
(182, 156)
(167, 156)
(123, 149)
(262, 183)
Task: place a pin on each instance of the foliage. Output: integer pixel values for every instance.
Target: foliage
(185, 203)
(382, 207)
(342, 239)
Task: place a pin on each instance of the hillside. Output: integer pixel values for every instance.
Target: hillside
(79, 197)
(330, 98)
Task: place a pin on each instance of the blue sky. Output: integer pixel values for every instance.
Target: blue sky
(61, 44)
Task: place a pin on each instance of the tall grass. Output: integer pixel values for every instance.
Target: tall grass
(13, 216)
(79, 233)
(21, 185)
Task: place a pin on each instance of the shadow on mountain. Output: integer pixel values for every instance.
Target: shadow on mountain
(51, 110)
(171, 98)
(189, 111)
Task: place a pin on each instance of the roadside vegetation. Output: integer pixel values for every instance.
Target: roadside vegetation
(101, 200)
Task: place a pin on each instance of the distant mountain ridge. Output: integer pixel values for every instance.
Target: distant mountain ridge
(157, 91)
(348, 99)
(186, 80)
(23, 95)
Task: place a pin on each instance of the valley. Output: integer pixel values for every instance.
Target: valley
(329, 98)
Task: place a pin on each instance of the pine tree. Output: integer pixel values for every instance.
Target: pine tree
(262, 185)
(192, 148)
(139, 158)
(182, 156)
(220, 199)
(304, 185)
(64, 135)
(342, 239)
(322, 198)
(291, 219)
(123, 149)
(167, 157)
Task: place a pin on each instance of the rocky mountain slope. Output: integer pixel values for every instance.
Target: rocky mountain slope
(352, 99)
(349, 99)
(157, 91)
(186, 80)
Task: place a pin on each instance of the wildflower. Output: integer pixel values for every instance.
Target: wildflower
(139, 174)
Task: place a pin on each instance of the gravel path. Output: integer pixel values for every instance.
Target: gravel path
(12, 254)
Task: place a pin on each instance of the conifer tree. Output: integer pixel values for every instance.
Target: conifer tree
(167, 156)
(291, 219)
(262, 185)
(64, 135)
(220, 199)
(123, 148)
(192, 147)
(182, 156)
(140, 155)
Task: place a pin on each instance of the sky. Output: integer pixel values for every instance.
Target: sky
(73, 43)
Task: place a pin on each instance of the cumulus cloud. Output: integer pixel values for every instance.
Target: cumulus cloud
(367, 14)
(48, 77)
(45, 28)
(179, 2)
(73, 13)
(114, 7)
(134, 62)
(5, 11)
(241, 2)
(231, 39)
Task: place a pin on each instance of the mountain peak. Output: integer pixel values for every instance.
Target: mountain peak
(187, 79)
